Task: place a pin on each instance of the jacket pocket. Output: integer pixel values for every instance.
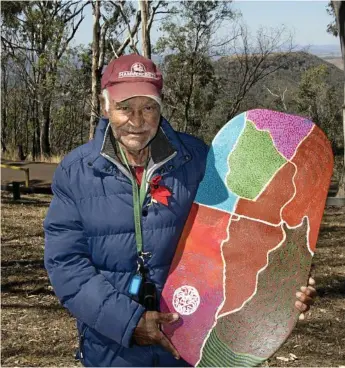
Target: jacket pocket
(93, 347)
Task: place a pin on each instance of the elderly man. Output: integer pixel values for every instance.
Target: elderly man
(120, 203)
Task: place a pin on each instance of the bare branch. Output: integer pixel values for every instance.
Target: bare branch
(273, 94)
(132, 32)
(152, 15)
(104, 29)
(114, 51)
(74, 30)
(14, 46)
(75, 14)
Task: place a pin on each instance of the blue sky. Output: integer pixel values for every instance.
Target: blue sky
(307, 30)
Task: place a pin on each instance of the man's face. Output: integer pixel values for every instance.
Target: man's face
(134, 121)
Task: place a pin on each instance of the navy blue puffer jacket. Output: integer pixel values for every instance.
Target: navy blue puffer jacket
(90, 249)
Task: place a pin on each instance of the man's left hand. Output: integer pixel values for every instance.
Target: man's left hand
(305, 298)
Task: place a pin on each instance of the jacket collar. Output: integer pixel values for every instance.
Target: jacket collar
(164, 144)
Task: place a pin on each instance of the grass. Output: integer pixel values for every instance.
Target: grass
(37, 331)
(13, 156)
(319, 341)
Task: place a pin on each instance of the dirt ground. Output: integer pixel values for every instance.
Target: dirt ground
(37, 331)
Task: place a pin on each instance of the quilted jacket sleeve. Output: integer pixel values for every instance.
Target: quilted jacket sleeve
(80, 288)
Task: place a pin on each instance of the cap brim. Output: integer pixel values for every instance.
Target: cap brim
(123, 91)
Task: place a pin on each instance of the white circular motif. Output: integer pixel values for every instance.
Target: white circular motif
(138, 68)
(186, 300)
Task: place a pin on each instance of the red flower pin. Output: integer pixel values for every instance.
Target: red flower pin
(159, 193)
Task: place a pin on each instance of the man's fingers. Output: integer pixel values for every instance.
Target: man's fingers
(304, 298)
(302, 307)
(167, 345)
(301, 317)
(167, 317)
(311, 281)
(310, 291)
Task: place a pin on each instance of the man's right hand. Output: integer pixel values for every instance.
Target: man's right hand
(148, 331)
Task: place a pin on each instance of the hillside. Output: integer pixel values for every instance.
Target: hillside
(286, 81)
(287, 78)
(295, 64)
(337, 61)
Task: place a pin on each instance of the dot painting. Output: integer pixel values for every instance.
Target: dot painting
(249, 240)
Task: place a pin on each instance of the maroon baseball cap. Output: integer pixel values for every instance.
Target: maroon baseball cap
(130, 76)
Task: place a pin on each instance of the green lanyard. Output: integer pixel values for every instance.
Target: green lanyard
(138, 201)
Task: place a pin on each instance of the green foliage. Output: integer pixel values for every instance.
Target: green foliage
(332, 27)
(201, 92)
(318, 100)
(36, 39)
(10, 12)
(311, 85)
(179, 94)
(190, 81)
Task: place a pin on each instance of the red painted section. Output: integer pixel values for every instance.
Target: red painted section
(314, 161)
(199, 265)
(245, 254)
(264, 208)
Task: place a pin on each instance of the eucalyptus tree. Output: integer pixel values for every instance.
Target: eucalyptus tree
(188, 44)
(38, 35)
(337, 28)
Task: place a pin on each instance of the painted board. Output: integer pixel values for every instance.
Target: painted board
(249, 240)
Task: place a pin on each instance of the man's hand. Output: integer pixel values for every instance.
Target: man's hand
(305, 298)
(148, 332)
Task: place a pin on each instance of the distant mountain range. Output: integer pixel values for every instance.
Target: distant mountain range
(330, 53)
(322, 50)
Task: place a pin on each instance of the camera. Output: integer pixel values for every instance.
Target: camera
(148, 296)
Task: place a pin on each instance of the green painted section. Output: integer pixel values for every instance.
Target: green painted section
(218, 354)
(261, 326)
(253, 162)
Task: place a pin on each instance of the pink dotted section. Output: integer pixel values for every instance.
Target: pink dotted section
(286, 130)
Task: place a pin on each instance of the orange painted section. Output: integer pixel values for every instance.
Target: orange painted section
(203, 234)
(268, 205)
(245, 254)
(314, 161)
(200, 265)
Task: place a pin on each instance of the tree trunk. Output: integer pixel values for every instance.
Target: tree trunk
(4, 107)
(339, 9)
(26, 124)
(36, 146)
(44, 136)
(3, 127)
(82, 122)
(15, 122)
(146, 43)
(96, 73)
(341, 188)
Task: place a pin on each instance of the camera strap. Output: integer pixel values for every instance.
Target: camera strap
(139, 194)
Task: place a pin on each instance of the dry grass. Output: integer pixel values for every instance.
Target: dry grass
(36, 331)
(319, 341)
(54, 159)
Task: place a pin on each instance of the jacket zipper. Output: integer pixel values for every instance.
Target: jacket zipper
(150, 171)
(156, 167)
(81, 342)
(118, 165)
